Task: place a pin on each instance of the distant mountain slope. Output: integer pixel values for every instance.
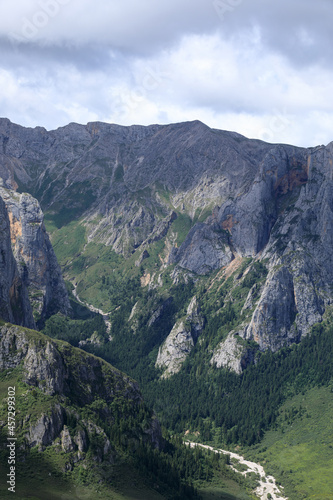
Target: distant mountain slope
(131, 177)
(208, 198)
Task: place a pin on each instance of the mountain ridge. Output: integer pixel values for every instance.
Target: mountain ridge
(131, 187)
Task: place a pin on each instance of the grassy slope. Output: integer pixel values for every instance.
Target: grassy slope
(40, 475)
(42, 485)
(89, 265)
(300, 451)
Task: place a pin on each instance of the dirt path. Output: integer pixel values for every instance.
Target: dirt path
(106, 316)
(267, 483)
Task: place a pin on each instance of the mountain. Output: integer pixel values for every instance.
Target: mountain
(213, 198)
(80, 425)
(209, 256)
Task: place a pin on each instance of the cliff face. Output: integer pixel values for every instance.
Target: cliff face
(244, 199)
(31, 282)
(299, 250)
(180, 341)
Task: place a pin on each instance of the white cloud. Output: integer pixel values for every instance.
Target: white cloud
(265, 69)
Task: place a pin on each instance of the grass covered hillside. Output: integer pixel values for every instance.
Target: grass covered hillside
(83, 429)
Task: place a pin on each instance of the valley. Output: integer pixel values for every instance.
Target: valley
(106, 316)
(198, 263)
(267, 484)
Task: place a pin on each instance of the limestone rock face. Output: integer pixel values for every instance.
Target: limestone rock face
(81, 441)
(231, 354)
(249, 217)
(61, 372)
(195, 318)
(44, 367)
(47, 428)
(67, 443)
(37, 266)
(297, 249)
(251, 298)
(14, 301)
(156, 316)
(175, 349)
(204, 250)
(180, 341)
(13, 347)
(272, 323)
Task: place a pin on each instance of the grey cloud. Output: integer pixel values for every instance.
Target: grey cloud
(147, 27)
(85, 57)
(300, 30)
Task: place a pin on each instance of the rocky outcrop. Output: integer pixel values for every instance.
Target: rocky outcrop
(272, 324)
(80, 440)
(194, 317)
(43, 366)
(203, 251)
(82, 384)
(299, 250)
(158, 312)
(175, 349)
(47, 428)
(232, 354)
(37, 266)
(251, 215)
(67, 444)
(180, 341)
(61, 369)
(142, 257)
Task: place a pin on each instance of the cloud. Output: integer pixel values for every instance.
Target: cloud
(125, 25)
(221, 79)
(259, 67)
(300, 30)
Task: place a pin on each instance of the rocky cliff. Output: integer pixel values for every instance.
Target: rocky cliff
(180, 341)
(214, 202)
(32, 284)
(14, 302)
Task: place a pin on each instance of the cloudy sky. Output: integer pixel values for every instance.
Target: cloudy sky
(259, 67)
